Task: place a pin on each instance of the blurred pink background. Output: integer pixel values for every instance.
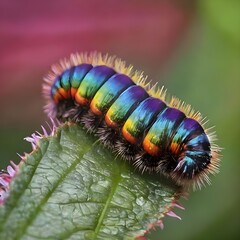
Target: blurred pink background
(36, 34)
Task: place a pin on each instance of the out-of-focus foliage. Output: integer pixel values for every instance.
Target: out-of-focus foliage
(224, 16)
(202, 69)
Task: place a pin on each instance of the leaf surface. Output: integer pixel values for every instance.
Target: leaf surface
(71, 187)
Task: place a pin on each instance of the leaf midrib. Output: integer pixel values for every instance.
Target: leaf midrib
(96, 231)
(108, 202)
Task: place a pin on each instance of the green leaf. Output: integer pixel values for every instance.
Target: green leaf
(71, 187)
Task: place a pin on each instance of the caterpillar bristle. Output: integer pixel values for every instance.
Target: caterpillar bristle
(136, 119)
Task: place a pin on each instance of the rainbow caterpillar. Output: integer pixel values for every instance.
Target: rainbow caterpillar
(117, 105)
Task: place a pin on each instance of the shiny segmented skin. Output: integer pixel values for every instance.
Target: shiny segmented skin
(177, 144)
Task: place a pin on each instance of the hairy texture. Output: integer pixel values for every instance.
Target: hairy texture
(131, 117)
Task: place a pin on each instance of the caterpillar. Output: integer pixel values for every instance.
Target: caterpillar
(131, 117)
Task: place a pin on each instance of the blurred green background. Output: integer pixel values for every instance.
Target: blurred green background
(190, 47)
